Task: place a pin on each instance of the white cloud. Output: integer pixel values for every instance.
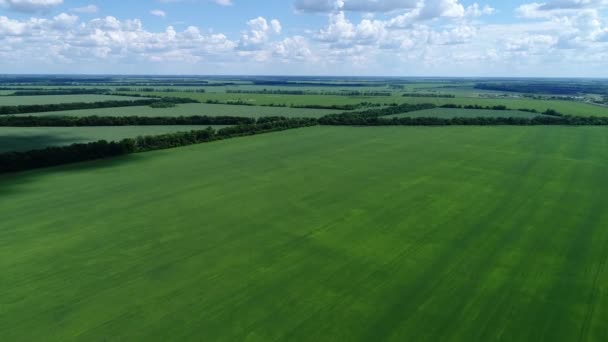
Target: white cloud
(436, 37)
(259, 33)
(354, 5)
(158, 13)
(89, 9)
(223, 2)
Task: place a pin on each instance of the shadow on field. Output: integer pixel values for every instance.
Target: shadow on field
(19, 181)
(26, 142)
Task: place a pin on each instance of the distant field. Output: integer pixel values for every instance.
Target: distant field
(334, 234)
(566, 107)
(55, 99)
(31, 138)
(464, 113)
(191, 109)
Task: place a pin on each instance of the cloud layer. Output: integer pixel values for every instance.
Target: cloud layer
(391, 37)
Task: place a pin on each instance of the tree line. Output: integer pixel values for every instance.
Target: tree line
(310, 92)
(109, 121)
(25, 109)
(53, 156)
(305, 106)
(358, 120)
(446, 96)
(164, 90)
(73, 91)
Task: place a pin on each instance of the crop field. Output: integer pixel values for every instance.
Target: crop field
(191, 109)
(31, 138)
(57, 99)
(565, 107)
(323, 233)
(465, 113)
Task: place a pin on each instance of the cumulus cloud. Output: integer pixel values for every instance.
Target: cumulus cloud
(259, 33)
(30, 6)
(354, 5)
(401, 37)
(66, 38)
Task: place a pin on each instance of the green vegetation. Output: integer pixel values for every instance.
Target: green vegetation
(53, 156)
(31, 138)
(75, 121)
(58, 107)
(163, 105)
(190, 109)
(566, 107)
(397, 233)
(460, 112)
(60, 99)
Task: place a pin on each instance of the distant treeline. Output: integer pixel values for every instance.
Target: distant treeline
(25, 109)
(392, 110)
(93, 121)
(311, 106)
(445, 96)
(163, 90)
(353, 120)
(53, 156)
(561, 88)
(310, 92)
(316, 84)
(65, 91)
(375, 118)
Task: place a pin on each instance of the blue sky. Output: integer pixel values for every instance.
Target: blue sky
(322, 37)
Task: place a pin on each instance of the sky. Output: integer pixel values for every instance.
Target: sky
(484, 38)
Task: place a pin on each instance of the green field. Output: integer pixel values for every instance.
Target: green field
(464, 113)
(32, 138)
(565, 107)
(56, 99)
(368, 234)
(191, 109)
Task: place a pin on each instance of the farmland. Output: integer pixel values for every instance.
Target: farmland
(32, 138)
(191, 109)
(382, 217)
(566, 107)
(57, 99)
(460, 233)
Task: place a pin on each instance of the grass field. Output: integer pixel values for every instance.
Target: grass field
(56, 99)
(31, 138)
(195, 109)
(464, 113)
(566, 107)
(369, 234)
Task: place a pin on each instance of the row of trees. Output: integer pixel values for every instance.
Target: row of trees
(310, 92)
(164, 90)
(72, 121)
(65, 91)
(24, 109)
(358, 120)
(392, 110)
(52, 156)
(304, 106)
(432, 95)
